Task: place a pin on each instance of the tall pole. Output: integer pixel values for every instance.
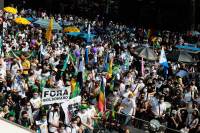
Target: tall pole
(107, 6)
(193, 14)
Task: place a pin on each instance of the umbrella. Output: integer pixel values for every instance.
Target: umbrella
(182, 73)
(190, 48)
(23, 21)
(44, 23)
(146, 53)
(30, 19)
(81, 35)
(71, 29)
(195, 33)
(10, 10)
(180, 56)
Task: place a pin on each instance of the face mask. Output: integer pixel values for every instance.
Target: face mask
(115, 93)
(44, 119)
(161, 101)
(35, 96)
(28, 107)
(74, 125)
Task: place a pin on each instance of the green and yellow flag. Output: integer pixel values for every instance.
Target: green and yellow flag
(48, 34)
(75, 88)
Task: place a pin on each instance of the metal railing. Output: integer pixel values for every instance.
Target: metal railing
(141, 125)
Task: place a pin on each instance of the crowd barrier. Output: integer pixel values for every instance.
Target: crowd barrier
(135, 124)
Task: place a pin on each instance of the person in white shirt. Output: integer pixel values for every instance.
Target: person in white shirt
(189, 94)
(36, 103)
(122, 87)
(2, 69)
(128, 108)
(159, 109)
(38, 71)
(193, 86)
(92, 114)
(62, 128)
(54, 117)
(126, 93)
(42, 124)
(85, 119)
(15, 67)
(1, 113)
(73, 128)
(128, 79)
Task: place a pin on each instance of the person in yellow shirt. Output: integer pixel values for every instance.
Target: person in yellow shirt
(25, 65)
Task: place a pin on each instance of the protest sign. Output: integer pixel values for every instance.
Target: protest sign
(50, 96)
(75, 100)
(71, 107)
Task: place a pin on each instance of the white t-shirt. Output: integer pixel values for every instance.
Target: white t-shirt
(100, 49)
(72, 130)
(14, 69)
(159, 109)
(91, 113)
(2, 73)
(154, 102)
(126, 93)
(129, 106)
(17, 85)
(188, 96)
(43, 126)
(36, 103)
(54, 119)
(84, 117)
(122, 87)
(5, 25)
(38, 73)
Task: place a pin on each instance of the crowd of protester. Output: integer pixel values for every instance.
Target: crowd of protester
(130, 95)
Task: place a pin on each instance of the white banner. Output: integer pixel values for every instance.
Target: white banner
(74, 100)
(65, 105)
(51, 96)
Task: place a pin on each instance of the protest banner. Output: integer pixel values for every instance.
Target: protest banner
(70, 107)
(50, 96)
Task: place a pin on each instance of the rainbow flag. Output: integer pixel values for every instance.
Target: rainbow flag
(75, 89)
(101, 102)
(48, 34)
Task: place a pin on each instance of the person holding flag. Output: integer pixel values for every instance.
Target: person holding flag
(48, 34)
(89, 34)
(163, 62)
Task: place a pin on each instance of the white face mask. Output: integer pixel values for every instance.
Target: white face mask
(62, 131)
(28, 107)
(74, 125)
(115, 93)
(44, 119)
(35, 96)
(161, 101)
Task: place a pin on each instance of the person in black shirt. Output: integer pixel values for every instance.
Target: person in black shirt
(25, 121)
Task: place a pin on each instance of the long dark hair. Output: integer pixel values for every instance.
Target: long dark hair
(78, 123)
